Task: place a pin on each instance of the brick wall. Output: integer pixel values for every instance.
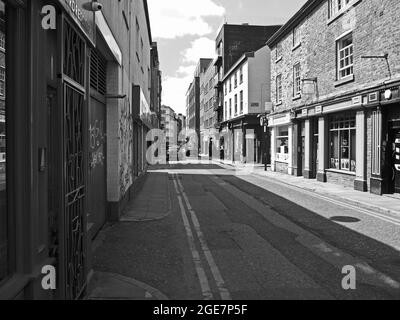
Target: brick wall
(341, 179)
(281, 167)
(375, 31)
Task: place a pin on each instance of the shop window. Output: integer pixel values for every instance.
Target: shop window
(343, 143)
(4, 232)
(282, 144)
(345, 57)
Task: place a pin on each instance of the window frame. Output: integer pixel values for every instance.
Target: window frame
(338, 126)
(278, 89)
(241, 102)
(297, 79)
(236, 104)
(296, 36)
(339, 58)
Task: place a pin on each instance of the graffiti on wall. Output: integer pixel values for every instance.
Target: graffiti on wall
(126, 145)
(96, 143)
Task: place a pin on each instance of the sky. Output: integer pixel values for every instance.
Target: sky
(185, 31)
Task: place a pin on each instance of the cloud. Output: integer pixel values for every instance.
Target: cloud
(174, 92)
(200, 48)
(177, 18)
(175, 87)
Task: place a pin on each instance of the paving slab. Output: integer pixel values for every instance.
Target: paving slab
(152, 202)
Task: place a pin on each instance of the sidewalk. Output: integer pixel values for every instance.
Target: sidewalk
(110, 286)
(152, 202)
(386, 204)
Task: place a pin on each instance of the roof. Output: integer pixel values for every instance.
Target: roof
(299, 16)
(146, 11)
(241, 60)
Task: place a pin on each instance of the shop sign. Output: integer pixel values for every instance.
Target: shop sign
(357, 100)
(304, 112)
(280, 120)
(83, 18)
(388, 94)
(318, 109)
(373, 97)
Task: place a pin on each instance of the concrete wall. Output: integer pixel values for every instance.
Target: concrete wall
(259, 80)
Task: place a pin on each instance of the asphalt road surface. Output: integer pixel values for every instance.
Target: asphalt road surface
(247, 237)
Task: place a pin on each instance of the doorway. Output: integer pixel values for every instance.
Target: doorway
(97, 189)
(394, 159)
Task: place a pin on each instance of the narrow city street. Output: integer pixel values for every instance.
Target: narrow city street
(222, 234)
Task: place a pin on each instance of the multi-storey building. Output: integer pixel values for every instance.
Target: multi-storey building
(208, 131)
(170, 126)
(156, 83)
(247, 95)
(232, 42)
(336, 94)
(76, 135)
(193, 101)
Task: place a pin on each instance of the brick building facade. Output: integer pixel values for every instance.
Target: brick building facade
(335, 89)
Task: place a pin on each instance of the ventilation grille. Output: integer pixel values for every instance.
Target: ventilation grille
(98, 72)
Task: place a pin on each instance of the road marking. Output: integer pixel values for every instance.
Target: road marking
(201, 274)
(223, 291)
(345, 205)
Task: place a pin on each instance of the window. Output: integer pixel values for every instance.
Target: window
(241, 75)
(241, 102)
(4, 231)
(137, 39)
(345, 57)
(282, 144)
(226, 88)
(279, 89)
(2, 81)
(230, 108)
(343, 142)
(226, 110)
(296, 36)
(236, 80)
(338, 6)
(230, 85)
(278, 51)
(296, 80)
(2, 41)
(236, 104)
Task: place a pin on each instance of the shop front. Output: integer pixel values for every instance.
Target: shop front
(245, 137)
(386, 142)
(281, 143)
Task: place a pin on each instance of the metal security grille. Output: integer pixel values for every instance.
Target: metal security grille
(74, 55)
(75, 190)
(74, 222)
(98, 72)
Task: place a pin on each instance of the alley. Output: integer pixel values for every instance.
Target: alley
(226, 235)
